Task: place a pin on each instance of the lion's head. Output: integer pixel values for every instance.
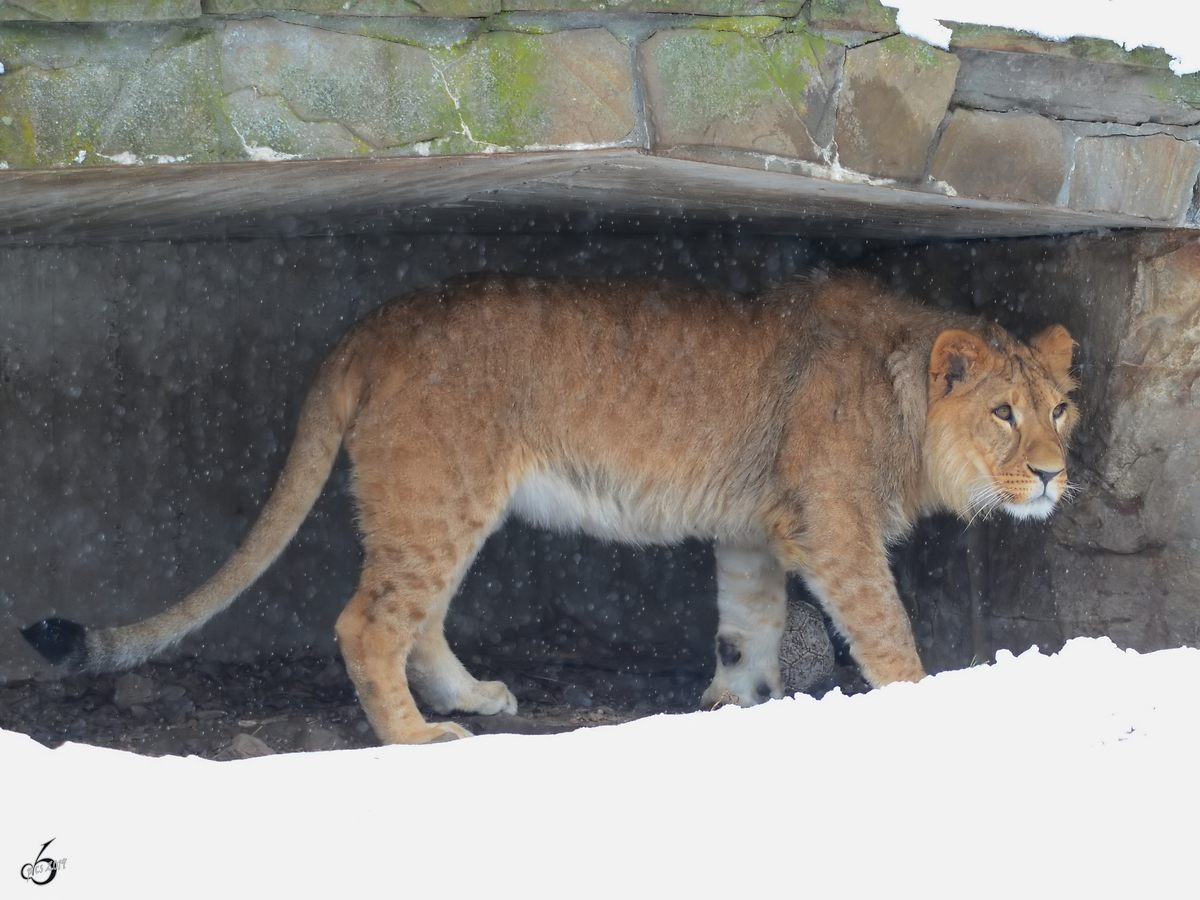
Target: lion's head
(999, 418)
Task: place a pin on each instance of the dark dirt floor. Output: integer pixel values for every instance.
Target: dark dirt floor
(235, 710)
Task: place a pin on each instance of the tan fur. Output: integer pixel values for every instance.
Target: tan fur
(802, 431)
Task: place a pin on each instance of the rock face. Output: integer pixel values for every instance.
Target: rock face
(1141, 513)
(1154, 416)
(1120, 558)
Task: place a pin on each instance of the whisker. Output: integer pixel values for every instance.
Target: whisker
(983, 498)
(986, 509)
(1070, 489)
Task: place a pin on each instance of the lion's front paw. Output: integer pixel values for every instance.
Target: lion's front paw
(742, 685)
(439, 733)
(415, 730)
(744, 677)
(739, 691)
(717, 695)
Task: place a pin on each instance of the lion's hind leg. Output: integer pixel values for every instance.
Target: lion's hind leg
(442, 681)
(422, 527)
(391, 637)
(375, 632)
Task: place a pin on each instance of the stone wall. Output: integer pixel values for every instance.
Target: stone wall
(824, 89)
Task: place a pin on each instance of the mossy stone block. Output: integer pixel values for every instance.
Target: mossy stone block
(852, 15)
(992, 156)
(308, 92)
(990, 37)
(894, 96)
(757, 27)
(783, 8)
(1078, 89)
(808, 67)
(98, 10)
(514, 90)
(417, 31)
(446, 8)
(1139, 175)
(722, 89)
(123, 93)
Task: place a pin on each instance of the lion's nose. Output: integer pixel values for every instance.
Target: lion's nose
(1045, 475)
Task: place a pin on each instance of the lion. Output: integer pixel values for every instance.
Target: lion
(801, 431)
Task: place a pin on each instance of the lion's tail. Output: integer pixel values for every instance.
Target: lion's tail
(327, 410)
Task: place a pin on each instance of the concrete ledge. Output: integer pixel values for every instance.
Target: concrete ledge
(589, 189)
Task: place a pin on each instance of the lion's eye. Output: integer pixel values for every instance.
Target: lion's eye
(1058, 411)
(1004, 413)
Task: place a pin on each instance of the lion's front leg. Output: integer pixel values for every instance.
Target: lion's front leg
(845, 566)
(752, 611)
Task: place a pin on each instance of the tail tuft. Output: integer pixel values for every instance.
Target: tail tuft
(60, 641)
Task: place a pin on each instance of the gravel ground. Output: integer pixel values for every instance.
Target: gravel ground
(235, 710)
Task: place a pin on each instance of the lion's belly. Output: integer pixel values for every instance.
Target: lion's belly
(628, 514)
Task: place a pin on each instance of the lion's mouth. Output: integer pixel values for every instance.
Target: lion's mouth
(1038, 503)
(1038, 507)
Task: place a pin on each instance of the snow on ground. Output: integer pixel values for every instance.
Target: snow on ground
(1074, 775)
(1173, 25)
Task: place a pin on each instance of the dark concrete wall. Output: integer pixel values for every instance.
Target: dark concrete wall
(150, 391)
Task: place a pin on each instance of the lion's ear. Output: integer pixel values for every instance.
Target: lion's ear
(1054, 346)
(955, 358)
